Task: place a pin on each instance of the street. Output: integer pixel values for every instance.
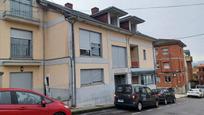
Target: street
(184, 106)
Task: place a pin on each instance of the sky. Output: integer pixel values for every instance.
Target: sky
(165, 23)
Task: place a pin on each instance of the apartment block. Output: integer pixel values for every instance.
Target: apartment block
(70, 55)
(170, 64)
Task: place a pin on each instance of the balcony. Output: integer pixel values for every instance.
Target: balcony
(21, 11)
(134, 56)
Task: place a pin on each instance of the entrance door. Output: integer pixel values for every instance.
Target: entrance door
(120, 79)
(21, 80)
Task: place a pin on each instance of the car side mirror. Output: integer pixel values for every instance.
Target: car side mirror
(43, 103)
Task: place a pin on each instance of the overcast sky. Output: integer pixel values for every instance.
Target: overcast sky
(169, 23)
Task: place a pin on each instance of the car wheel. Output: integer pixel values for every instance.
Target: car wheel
(165, 102)
(60, 113)
(139, 106)
(156, 103)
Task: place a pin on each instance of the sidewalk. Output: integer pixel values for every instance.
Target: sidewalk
(102, 107)
(90, 109)
(180, 95)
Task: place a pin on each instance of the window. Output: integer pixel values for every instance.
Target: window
(147, 79)
(167, 78)
(144, 55)
(21, 8)
(21, 44)
(166, 65)
(119, 57)
(91, 76)
(165, 51)
(28, 98)
(114, 20)
(90, 43)
(5, 97)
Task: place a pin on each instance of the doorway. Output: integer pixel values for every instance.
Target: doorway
(120, 79)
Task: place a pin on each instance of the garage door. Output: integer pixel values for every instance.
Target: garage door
(21, 80)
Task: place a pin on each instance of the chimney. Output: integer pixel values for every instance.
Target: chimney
(69, 5)
(94, 10)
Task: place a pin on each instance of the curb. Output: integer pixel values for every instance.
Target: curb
(86, 110)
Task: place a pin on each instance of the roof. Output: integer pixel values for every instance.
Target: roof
(88, 19)
(113, 10)
(165, 42)
(200, 66)
(133, 19)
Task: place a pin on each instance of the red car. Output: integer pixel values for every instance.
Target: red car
(15, 101)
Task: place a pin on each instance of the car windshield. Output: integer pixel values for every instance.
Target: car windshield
(200, 86)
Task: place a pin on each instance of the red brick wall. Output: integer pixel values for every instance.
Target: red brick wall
(103, 18)
(175, 58)
(125, 25)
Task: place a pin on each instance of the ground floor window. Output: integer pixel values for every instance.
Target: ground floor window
(91, 76)
(168, 79)
(135, 79)
(147, 79)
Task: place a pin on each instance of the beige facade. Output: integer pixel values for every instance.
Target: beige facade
(52, 52)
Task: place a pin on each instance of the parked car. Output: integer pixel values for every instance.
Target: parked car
(166, 95)
(200, 87)
(137, 96)
(14, 101)
(195, 93)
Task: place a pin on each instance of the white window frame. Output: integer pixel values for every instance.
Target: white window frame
(89, 43)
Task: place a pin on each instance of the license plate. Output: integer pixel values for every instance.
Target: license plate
(120, 100)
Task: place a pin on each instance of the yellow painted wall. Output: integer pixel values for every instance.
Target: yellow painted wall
(5, 40)
(37, 75)
(144, 44)
(58, 75)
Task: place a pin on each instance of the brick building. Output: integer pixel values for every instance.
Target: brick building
(170, 64)
(200, 74)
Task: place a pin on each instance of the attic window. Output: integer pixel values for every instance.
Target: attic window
(114, 20)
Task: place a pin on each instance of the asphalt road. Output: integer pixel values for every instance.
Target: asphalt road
(183, 106)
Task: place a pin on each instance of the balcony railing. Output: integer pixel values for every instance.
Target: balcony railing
(135, 64)
(21, 10)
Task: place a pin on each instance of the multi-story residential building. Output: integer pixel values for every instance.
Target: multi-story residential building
(200, 74)
(71, 55)
(170, 64)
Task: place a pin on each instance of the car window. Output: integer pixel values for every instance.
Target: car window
(128, 89)
(136, 89)
(148, 90)
(47, 100)
(119, 89)
(143, 91)
(5, 97)
(28, 98)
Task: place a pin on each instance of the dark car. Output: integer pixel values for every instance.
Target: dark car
(166, 95)
(136, 96)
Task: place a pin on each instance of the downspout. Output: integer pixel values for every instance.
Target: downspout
(72, 20)
(43, 29)
(155, 62)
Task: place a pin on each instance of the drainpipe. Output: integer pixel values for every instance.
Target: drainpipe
(72, 20)
(155, 62)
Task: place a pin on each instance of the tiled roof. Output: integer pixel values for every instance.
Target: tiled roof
(164, 42)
